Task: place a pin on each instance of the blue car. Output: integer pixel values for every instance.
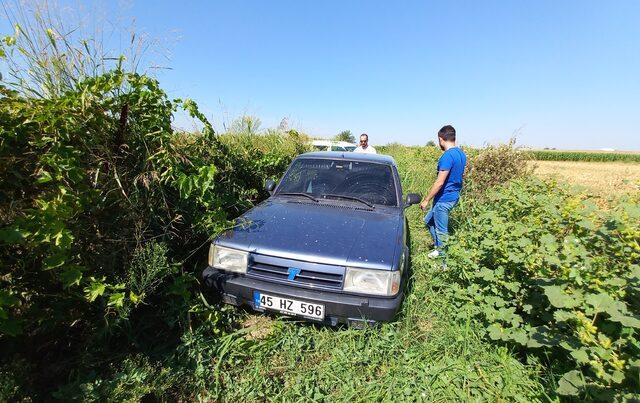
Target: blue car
(329, 245)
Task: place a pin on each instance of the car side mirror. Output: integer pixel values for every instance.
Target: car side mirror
(411, 199)
(269, 185)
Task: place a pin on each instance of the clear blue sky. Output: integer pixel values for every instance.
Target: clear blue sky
(566, 74)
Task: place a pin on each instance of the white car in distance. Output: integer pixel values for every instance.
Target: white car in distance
(329, 145)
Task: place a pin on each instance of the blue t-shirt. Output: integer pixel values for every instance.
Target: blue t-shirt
(454, 161)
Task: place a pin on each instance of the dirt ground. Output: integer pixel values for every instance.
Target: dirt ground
(602, 178)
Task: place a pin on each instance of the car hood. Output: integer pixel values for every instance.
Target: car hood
(318, 232)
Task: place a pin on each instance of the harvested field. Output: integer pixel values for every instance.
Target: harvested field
(601, 178)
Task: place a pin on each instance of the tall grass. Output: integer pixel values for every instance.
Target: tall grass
(427, 354)
(54, 47)
(424, 355)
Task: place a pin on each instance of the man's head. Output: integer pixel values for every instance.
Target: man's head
(446, 135)
(364, 140)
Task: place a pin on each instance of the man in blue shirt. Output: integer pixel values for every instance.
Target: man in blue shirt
(445, 191)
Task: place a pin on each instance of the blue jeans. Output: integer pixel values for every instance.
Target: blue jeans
(437, 220)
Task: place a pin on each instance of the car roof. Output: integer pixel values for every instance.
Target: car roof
(350, 156)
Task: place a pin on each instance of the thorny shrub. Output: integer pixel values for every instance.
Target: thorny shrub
(495, 165)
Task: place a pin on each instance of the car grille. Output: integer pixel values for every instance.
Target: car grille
(304, 277)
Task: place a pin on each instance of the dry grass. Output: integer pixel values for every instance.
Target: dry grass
(260, 326)
(602, 178)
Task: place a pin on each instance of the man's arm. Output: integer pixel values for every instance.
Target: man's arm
(435, 188)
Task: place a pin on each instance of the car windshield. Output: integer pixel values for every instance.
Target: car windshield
(370, 182)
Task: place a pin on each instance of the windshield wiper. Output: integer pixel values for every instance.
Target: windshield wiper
(298, 194)
(349, 198)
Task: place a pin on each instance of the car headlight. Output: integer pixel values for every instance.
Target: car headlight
(228, 259)
(376, 282)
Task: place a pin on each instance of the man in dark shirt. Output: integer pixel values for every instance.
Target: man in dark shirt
(445, 191)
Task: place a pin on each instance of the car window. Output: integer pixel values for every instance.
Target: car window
(337, 148)
(320, 148)
(371, 182)
(350, 148)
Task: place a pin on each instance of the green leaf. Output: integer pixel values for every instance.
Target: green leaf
(563, 316)
(512, 286)
(44, 177)
(625, 320)
(581, 356)
(181, 286)
(495, 332)
(11, 235)
(558, 298)
(570, 384)
(617, 376)
(600, 302)
(520, 336)
(55, 260)
(486, 274)
(116, 299)
(549, 243)
(94, 290)
(493, 300)
(619, 282)
(571, 344)
(135, 298)
(586, 224)
(70, 276)
(542, 336)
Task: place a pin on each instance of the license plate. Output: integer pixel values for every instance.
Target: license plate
(288, 306)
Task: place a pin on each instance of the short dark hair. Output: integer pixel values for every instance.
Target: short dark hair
(447, 133)
(366, 135)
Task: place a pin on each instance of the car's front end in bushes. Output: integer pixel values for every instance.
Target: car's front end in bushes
(326, 257)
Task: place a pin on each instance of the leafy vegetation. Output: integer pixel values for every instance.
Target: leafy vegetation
(494, 166)
(547, 271)
(106, 211)
(585, 156)
(106, 215)
(345, 135)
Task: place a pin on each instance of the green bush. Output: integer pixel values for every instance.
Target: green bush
(345, 135)
(546, 271)
(493, 166)
(105, 216)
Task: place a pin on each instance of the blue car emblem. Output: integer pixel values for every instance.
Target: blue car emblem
(292, 272)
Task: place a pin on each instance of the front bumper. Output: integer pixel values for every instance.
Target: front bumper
(339, 308)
